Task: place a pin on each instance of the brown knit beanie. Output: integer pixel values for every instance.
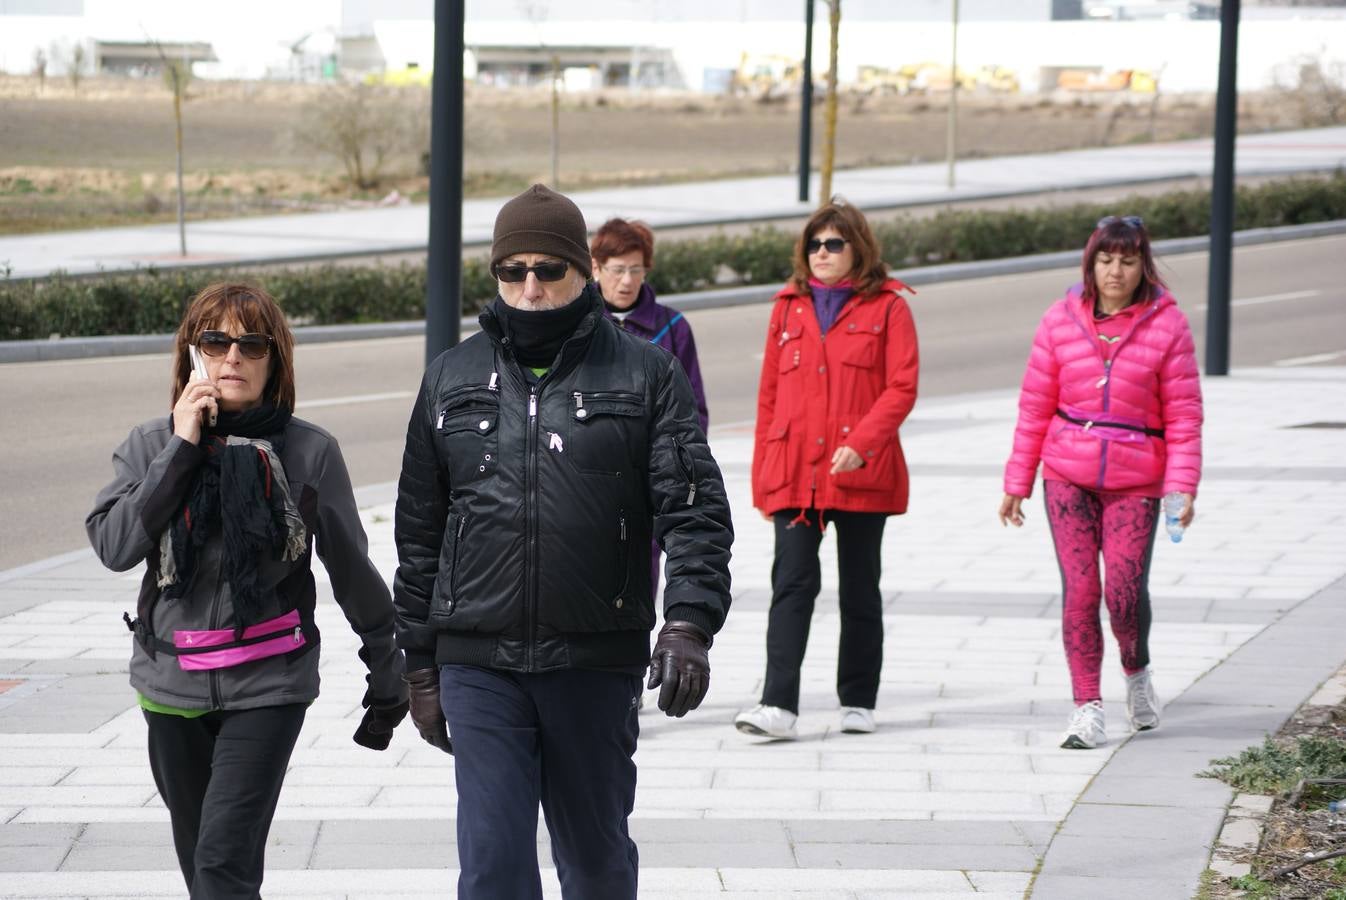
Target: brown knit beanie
(542, 221)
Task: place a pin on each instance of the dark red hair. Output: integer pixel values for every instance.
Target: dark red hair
(1124, 235)
(619, 237)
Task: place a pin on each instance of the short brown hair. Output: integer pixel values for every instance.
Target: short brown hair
(868, 272)
(253, 309)
(619, 237)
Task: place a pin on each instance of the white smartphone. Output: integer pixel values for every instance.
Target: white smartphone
(199, 370)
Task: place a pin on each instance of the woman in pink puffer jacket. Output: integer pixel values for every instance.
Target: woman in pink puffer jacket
(1111, 407)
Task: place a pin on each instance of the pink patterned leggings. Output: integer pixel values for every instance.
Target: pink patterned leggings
(1121, 527)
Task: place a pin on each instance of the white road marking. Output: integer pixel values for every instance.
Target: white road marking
(354, 398)
(1269, 298)
(1309, 360)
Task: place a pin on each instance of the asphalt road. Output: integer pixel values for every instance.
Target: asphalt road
(61, 420)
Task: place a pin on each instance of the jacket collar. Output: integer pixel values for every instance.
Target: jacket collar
(643, 312)
(491, 327)
(1085, 310)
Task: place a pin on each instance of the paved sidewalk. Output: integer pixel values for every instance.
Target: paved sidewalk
(962, 791)
(406, 228)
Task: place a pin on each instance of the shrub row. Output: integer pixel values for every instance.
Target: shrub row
(151, 301)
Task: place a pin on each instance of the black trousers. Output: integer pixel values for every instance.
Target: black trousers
(220, 776)
(563, 739)
(796, 579)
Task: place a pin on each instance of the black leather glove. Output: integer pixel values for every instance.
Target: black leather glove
(381, 717)
(680, 667)
(425, 709)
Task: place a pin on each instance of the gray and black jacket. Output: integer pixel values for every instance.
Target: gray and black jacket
(525, 510)
(154, 472)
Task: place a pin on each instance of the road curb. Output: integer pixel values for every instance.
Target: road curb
(128, 345)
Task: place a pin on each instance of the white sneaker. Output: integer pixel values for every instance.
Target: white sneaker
(767, 721)
(857, 720)
(1142, 705)
(1086, 729)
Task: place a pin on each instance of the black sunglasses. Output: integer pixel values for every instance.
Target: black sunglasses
(833, 245)
(1131, 221)
(513, 273)
(252, 345)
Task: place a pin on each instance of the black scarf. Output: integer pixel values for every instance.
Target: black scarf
(537, 335)
(230, 495)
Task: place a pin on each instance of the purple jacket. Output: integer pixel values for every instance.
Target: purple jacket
(666, 327)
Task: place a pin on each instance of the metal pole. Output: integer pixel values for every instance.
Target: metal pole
(555, 122)
(952, 151)
(1222, 196)
(806, 105)
(444, 263)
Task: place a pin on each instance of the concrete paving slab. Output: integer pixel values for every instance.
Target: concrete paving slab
(1076, 887)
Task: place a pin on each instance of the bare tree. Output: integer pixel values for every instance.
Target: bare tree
(76, 69)
(40, 68)
(830, 109)
(176, 75)
(365, 127)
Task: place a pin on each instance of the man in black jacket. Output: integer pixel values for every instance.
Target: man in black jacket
(542, 455)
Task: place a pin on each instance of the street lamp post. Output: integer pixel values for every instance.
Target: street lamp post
(444, 263)
(806, 105)
(1222, 196)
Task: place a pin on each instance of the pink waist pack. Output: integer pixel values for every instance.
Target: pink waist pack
(220, 648)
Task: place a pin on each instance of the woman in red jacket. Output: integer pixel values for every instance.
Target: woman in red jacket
(1111, 406)
(838, 379)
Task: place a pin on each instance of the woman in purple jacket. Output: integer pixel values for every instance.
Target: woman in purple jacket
(623, 253)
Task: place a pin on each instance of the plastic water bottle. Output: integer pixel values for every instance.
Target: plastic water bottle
(1175, 504)
(1337, 806)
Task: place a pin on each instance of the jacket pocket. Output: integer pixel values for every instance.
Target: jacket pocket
(862, 345)
(445, 599)
(466, 427)
(879, 473)
(775, 467)
(603, 431)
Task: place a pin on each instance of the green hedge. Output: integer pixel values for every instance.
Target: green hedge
(151, 301)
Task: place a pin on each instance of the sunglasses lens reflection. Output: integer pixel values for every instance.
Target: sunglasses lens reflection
(833, 245)
(547, 271)
(252, 345)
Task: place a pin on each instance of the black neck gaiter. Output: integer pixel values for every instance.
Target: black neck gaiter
(537, 335)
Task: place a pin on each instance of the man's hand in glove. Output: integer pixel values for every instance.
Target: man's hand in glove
(681, 665)
(381, 717)
(425, 709)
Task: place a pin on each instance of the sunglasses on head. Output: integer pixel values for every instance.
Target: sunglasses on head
(833, 245)
(1130, 221)
(252, 345)
(513, 273)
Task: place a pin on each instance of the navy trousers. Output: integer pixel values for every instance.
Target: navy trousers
(564, 740)
(220, 777)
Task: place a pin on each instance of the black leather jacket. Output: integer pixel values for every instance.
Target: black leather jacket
(525, 512)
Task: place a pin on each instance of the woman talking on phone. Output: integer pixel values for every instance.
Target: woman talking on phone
(224, 501)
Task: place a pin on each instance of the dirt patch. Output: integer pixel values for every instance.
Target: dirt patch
(1301, 821)
(105, 151)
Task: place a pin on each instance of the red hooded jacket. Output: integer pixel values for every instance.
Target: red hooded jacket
(853, 388)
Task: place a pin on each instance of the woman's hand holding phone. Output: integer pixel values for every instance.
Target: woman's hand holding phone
(199, 398)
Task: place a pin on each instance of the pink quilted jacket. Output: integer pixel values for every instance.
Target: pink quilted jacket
(1129, 426)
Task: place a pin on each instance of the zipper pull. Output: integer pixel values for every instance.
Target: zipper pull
(494, 383)
(691, 492)
(532, 406)
(623, 527)
(298, 635)
(580, 411)
(440, 423)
